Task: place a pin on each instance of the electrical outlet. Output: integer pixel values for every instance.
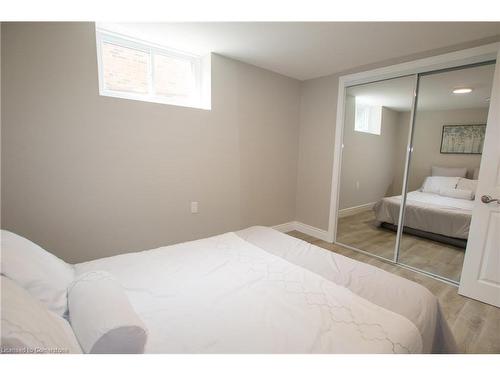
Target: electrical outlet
(357, 185)
(194, 207)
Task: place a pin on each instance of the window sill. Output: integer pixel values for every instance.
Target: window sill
(156, 100)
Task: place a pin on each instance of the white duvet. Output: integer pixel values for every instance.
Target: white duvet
(428, 212)
(225, 295)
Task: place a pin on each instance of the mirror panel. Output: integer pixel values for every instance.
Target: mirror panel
(447, 140)
(375, 138)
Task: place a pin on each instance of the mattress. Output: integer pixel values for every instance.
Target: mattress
(261, 291)
(428, 212)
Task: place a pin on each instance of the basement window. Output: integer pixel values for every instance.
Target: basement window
(368, 117)
(137, 70)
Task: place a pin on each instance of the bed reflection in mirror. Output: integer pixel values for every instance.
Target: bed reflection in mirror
(375, 138)
(448, 134)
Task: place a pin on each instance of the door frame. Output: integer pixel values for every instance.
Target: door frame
(468, 56)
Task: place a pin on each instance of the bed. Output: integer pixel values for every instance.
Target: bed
(429, 214)
(261, 291)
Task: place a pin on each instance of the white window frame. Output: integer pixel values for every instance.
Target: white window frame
(371, 128)
(198, 100)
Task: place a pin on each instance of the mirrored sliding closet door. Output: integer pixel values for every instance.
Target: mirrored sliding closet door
(409, 166)
(448, 136)
(375, 136)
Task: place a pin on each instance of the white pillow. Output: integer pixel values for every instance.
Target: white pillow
(449, 172)
(457, 193)
(42, 274)
(29, 327)
(466, 184)
(102, 317)
(433, 184)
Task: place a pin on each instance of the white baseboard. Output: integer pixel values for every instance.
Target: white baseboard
(285, 227)
(356, 209)
(302, 228)
(311, 231)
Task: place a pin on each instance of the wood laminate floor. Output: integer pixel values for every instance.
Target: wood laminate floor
(362, 232)
(475, 325)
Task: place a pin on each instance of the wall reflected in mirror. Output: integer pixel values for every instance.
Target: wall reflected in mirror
(375, 138)
(448, 135)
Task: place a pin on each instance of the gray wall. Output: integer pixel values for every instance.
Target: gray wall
(368, 160)
(316, 140)
(87, 176)
(317, 131)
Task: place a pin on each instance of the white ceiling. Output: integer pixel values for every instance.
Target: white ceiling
(435, 90)
(305, 50)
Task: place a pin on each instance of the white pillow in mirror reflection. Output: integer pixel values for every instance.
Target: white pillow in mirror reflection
(433, 184)
(466, 184)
